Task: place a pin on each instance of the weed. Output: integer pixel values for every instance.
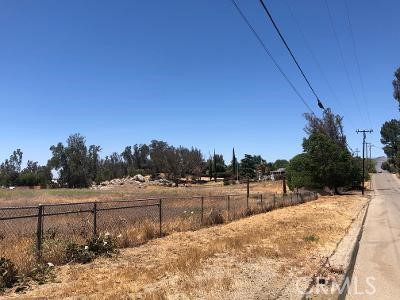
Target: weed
(8, 273)
(311, 238)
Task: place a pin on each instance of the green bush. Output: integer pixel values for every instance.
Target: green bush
(8, 273)
(79, 253)
(102, 244)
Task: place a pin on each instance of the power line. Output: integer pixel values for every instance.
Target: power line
(342, 56)
(270, 55)
(357, 61)
(314, 57)
(290, 52)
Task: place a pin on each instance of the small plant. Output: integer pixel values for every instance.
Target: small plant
(42, 273)
(311, 238)
(8, 273)
(79, 253)
(102, 244)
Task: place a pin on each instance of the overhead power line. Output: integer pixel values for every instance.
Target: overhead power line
(291, 53)
(357, 61)
(270, 55)
(342, 56)
(317, 62)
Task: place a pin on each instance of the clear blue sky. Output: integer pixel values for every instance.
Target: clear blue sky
(187, 72)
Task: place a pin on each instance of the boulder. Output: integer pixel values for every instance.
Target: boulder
(139, 178)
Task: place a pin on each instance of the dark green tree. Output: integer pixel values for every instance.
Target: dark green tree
(72, 162)
(251, 166)
(330, 124)
(280, 163)
(390, 137)
(298, 172)
(330, 164)
(396, 86)
(10, 169)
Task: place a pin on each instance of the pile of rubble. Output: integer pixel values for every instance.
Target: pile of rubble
(137, 180)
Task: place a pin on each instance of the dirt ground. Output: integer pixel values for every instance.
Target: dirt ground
(25, 196)
(260, 257)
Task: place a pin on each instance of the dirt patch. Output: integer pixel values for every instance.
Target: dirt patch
(258, 257)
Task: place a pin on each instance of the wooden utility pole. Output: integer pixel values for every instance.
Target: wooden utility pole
(364, 132)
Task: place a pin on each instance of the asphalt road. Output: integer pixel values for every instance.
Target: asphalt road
(377, 269)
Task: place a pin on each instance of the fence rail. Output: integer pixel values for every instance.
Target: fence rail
(42, 231)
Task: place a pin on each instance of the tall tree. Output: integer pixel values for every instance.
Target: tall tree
(252, 165)
(390, 137)
(234, 165)
(71, 161)
(10, 168)
(330, 125)
(396, 86)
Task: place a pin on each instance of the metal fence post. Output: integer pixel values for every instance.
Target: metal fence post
(94, 218)
(202, 209)
(160, 215)
(39, 232)
(261, 199)
(274, 201)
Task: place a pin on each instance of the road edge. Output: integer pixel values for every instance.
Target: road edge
(348, 273)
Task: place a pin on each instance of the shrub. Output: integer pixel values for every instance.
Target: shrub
(79, 253)
(8, 273)
(42, 273)
(102, 244)
(214, 217)
(311, 238)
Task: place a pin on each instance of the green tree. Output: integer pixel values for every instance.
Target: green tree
(34, 174)
(280, 163)
(390, 137)
(330, 164)
(330, 124)
(10, 169)
(252, 165)
(396, 86)
(298, 172)
(72, 162)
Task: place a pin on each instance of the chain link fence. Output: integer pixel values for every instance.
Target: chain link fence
(42, 233)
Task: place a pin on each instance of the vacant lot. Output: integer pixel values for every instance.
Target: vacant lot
(257, 257)
(22, 196)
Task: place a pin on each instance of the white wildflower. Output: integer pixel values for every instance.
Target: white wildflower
(192, 212)
(50, 264)
(86, 247)
(107, 234)
(119, 236)
(105, 243)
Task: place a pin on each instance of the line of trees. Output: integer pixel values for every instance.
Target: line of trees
(79, 165)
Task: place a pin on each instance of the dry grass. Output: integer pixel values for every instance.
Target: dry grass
(22, 196)
(232, 261)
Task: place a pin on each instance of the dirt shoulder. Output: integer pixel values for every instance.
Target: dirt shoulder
(267, 256)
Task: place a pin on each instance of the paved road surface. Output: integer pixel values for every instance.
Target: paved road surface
(378, 260)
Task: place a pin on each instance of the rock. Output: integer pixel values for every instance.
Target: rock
(139, 178)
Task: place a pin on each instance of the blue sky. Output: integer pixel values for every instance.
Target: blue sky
(188, 72)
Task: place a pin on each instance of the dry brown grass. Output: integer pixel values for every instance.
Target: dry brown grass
(247, 256)
(20, 197)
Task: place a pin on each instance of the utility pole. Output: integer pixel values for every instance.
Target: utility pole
(364, 132)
